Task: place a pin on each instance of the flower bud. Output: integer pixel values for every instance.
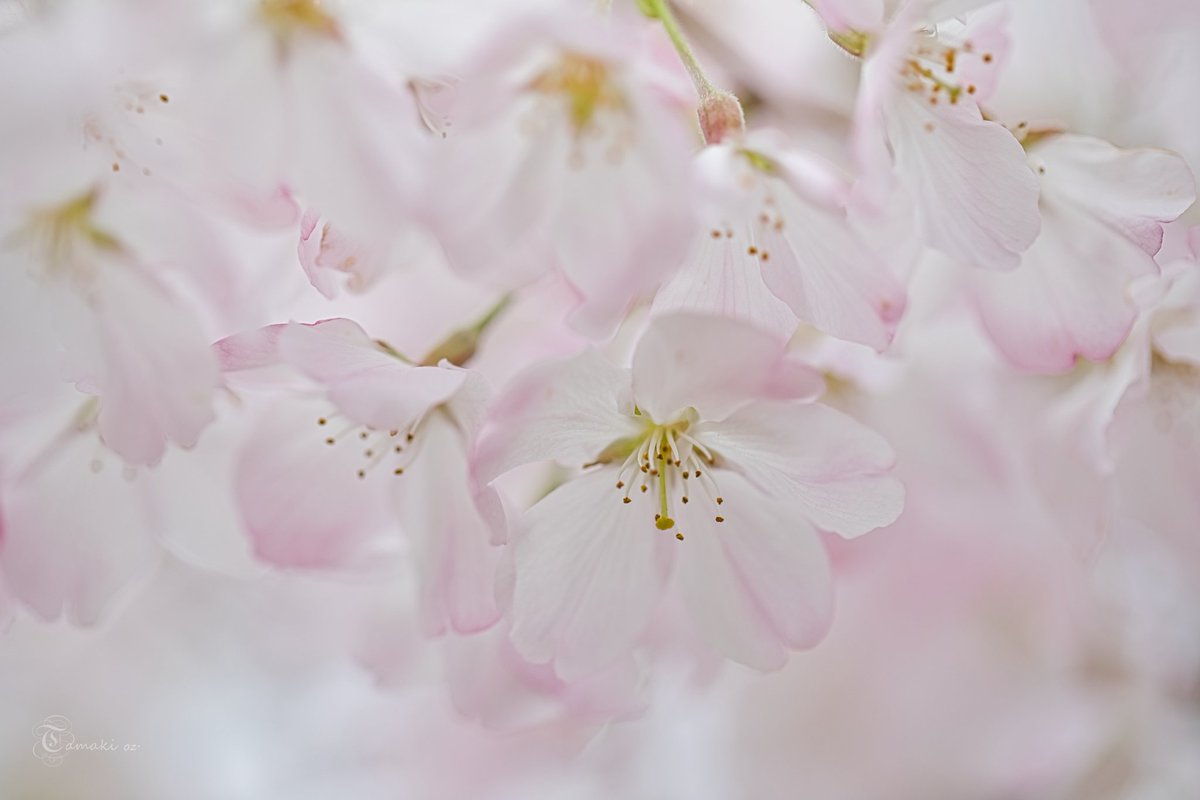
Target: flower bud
(720, 116)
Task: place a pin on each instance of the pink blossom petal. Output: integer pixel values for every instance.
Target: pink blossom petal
(159, 374)
(975, 197)
(759, 581)
(1068, 297)
(302, 501)
(1102, 210)
(828, 465)
(456, 560)
(568, 411)
(715, 279)
(489, 681)
(74, 558)
(844, 15)
(1133, 190)
(713, 365)
(587, 579)
(829, 277)
(365, 383)
(782, 234)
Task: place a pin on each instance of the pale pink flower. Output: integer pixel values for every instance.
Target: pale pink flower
(284, 94)
(1102, 209)
(777, 246)
(1149, 420)
(113, 327)
(320, 489)
(705, 465)
(567, 149)
(331, 257)
(78, 528)
(918, 126)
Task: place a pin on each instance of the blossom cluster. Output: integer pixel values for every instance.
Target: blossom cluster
(660, 398)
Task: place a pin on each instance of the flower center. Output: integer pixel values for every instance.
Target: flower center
(934, 64)
(584, 89)
(668, 461)
(287, 18)
(59, 234)
(398, 448)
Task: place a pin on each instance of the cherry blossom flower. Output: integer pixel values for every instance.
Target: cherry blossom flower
(288, 97)
(318, 490)
(76, 559)
(1102, 209)
(567, 148)
(778, 247)
(704, 459)
(918, 125)
(124, 337)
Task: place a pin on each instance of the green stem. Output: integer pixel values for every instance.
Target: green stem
(661, 10)
(459, 347)
(391, 351)
(490, 315)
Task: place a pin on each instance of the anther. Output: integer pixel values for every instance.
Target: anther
(629, 499)
(719, 519)
(679, 536)
(398, 471)
(720, 500)
(620, 484)
(322, 421)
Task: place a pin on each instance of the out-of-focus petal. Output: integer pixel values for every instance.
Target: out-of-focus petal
(456, 561)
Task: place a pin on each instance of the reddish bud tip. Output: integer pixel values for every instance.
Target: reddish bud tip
(720, 117)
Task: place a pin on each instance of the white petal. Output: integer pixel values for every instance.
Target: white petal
(976, 198)
(818, 459)
(822, 268)
(587, 576)
(567, 411)
(712, 364)
(1102, 209)
(718, 278)
(758, 582)
(1068, 298)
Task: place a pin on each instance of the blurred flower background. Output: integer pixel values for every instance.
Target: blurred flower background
(328, 328)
